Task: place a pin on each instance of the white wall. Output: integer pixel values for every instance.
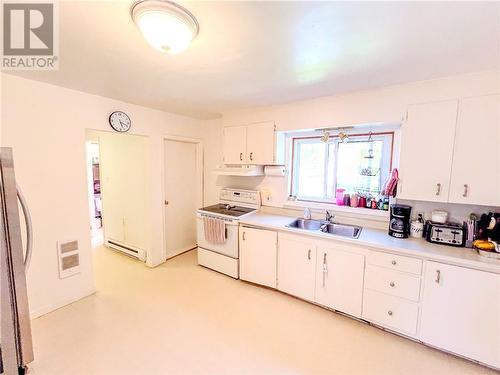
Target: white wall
(46, 125)
(384, 105)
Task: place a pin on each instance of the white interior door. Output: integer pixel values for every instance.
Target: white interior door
(182, 195)
(125, 188)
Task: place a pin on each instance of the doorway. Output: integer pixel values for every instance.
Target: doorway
(183, 192)
(94, 193)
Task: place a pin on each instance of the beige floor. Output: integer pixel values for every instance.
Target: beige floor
(181, 318)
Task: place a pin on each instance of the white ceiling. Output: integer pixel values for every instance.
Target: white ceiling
(263, 53)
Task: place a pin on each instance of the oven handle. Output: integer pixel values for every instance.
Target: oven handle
(233, 222)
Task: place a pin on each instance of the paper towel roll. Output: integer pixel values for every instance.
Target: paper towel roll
(274, 170)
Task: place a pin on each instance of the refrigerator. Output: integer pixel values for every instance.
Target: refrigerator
(16, 349)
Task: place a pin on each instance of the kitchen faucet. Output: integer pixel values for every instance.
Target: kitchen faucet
(329, 216)
(307, 214)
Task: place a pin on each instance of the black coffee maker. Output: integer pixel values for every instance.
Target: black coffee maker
(399, 225)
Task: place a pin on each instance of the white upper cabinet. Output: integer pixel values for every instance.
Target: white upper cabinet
(258, 255)
(297, 266)
(426, 151)
(339, 279)
(260, 143)
(475, 172)
(461, 312)
(251, 144)
(235, 145)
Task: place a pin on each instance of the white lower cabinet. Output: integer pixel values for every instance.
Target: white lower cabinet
(461, 312)
(392, 291)
(339, 278)
(391, 312)
(297, 266)
(258, 255)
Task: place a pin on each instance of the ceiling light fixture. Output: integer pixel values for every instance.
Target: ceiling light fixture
(165, 25)
(325, 137)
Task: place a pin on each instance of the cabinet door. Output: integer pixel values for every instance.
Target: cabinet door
(461, 312)
(260, 143)
(475, 173)
(339, 280)
(235, 145)
(426, 151)
(296, 266)
(258, 256)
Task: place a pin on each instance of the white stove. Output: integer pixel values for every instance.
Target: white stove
(233, 204)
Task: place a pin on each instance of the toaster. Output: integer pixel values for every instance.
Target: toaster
(446, 234)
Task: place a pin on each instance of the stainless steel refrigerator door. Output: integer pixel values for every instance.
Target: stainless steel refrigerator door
(16, 341)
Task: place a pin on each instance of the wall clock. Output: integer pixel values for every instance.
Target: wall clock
(120, 121)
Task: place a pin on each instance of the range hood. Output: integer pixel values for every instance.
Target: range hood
(239, 170)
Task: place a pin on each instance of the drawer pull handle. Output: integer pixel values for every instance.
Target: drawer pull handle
(438, 276)
(438, 190)
(466, 191)
(243, 236)
(392, 284)
(241, 156)
(325, 269)
(394, 262)
(389, 313)
(309, 254)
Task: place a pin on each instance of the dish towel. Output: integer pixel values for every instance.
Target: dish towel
(215, 230)
(390, 186)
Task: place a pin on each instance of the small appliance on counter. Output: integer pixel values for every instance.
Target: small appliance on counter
(452, 234)
(399, 224)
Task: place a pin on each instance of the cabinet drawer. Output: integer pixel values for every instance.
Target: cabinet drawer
(392, 282)
(395, 262)
(390, 312)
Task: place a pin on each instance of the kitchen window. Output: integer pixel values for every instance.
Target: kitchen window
(359, 164)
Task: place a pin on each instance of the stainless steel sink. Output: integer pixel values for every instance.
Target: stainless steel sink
(306, 224)
(351, 231)
(344, 230)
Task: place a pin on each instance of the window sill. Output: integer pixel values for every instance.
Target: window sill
(371, 214)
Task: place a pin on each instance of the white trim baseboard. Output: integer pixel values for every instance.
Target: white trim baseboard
(36, 313)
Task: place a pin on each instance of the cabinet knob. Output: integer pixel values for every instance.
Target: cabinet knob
(390, 313)
(166, 203)
(466, 191)
(394, 262)
(392, 284)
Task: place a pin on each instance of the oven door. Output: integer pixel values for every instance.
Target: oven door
(229, 248)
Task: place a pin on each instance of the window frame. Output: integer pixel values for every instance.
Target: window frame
(294, 138)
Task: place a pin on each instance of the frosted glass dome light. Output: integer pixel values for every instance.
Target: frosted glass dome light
(166, 26)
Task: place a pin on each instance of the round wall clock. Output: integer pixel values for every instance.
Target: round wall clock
(120, 121)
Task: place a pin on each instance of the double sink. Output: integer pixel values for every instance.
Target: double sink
(350, 231)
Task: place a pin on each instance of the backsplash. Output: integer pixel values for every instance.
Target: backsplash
(457, 212)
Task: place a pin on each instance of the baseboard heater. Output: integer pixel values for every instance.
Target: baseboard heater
(127, 250)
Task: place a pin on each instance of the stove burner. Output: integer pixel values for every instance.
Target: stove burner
(228, 210)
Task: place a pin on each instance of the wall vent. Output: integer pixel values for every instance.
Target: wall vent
(69, 258)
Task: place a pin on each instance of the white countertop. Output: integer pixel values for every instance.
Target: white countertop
(379, 239)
